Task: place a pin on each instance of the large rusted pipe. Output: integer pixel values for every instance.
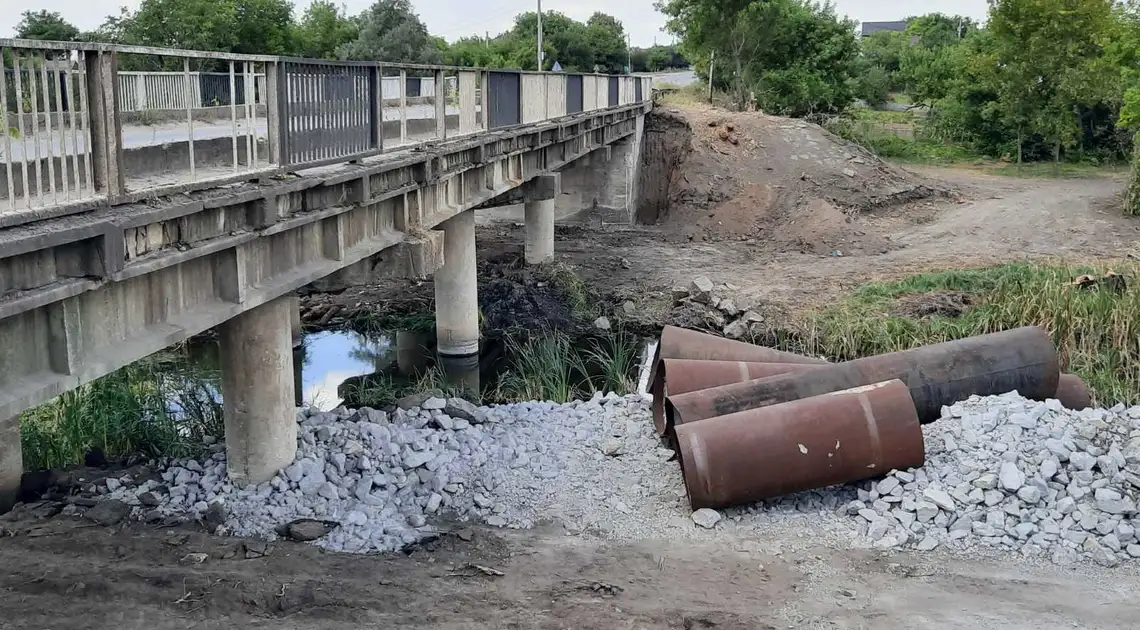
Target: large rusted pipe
(815, 442)
(682, 343)
(1073, 392)
(1022, 360)
(680, 376)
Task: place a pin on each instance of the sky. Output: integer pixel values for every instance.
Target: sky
(453, 19)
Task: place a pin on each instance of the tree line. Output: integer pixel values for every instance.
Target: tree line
(389, 30)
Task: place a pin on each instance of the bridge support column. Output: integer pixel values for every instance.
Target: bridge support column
(11, 462)
(539, 216)
(257, 390)
(456, 289)
(296, 330)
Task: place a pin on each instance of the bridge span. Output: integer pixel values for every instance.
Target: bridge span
(288, 171)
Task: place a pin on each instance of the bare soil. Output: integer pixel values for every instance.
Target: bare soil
(67, 574)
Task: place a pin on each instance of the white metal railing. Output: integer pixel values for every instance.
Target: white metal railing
(77, 129)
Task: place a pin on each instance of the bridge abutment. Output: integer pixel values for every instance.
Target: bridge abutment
(257, 392)
(456, 289)
(11, 462)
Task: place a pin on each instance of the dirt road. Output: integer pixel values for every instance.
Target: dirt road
(69, 574)
(991, 219)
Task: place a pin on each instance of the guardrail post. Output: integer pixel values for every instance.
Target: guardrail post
(276, 110)
(440, 106)
(105, 123)
(376, 106)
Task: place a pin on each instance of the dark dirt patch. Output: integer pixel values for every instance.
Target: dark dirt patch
(935, 304)
(512, 297)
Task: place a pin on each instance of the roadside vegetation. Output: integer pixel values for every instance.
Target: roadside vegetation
(1095, 326)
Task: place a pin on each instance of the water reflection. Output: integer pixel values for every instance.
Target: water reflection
(332, 357)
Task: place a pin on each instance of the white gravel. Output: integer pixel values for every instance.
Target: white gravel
(1003, 475)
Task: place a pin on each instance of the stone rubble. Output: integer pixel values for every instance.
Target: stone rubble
(1007, 473)
(1003, 475)
(384, 476)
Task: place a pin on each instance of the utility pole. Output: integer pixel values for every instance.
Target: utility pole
(628, 53)
(540, 35)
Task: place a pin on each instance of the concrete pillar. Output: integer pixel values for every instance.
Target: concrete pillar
(257, 391)
(539, 231)
(296, 330)
(461, 372)
(456, 289)
(541, 193)
(11, 462)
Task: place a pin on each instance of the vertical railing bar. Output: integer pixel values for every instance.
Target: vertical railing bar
(35, 129)
(84, 121)
(188, 94)
(233, 116)
(69, 95)
(403, 106)
(47, 127)
(249, 122)
(20, 126)
(314, 113)
(62, 132)
(250, 100)
(5, 129)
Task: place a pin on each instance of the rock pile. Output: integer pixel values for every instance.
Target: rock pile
(1009, 473)
(372, 480)
(699, 307)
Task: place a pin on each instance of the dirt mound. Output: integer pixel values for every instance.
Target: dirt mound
(785, 183)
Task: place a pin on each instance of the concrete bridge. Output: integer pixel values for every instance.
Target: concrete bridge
(113, 248)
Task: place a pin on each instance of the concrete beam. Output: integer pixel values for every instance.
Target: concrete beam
(456, 289)
(257, 391)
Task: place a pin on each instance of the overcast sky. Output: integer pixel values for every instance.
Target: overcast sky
(457, 18)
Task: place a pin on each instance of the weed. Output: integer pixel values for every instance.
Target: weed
(614, 361)
(141, 409)
(544, 367)
(1097, 332)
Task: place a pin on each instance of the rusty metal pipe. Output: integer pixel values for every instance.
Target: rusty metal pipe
(1022, 360)
(680, 376)
(682, 343)
(815, 442)
(1073, 392)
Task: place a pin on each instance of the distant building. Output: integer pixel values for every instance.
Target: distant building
(870, 28)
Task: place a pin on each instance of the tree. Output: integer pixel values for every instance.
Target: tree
(798, 57)
(391, 31)
(606, 36)
(1046, 52)
(46, 25)
(322, 30)
(239, 26)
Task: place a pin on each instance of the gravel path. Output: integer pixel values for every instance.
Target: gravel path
(1004, 475)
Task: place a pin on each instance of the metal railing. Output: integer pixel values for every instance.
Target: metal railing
(80, 131)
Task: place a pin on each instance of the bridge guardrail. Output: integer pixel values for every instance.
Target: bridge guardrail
(87, 124)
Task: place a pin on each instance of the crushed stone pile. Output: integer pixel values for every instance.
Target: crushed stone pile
(1009, 473)
(1004, 475)
(379, 478)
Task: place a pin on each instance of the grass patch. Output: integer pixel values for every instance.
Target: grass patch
(147, 409)
(1096, 332)
(552, 367)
